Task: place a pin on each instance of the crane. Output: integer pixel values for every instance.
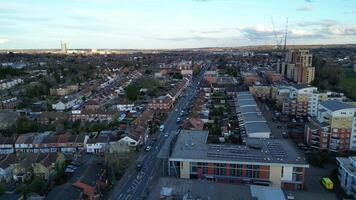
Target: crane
(279, 39)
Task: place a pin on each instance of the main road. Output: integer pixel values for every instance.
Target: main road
(135, 183)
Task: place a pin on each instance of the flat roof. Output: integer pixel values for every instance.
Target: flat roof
(249, 109)
(200, 189)
(347, 164)
(335, 105)
(257, 127)
(191, 145)
(253, 117)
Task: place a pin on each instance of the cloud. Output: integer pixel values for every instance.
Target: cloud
(341, 30)
(324, 22)
(3, 40)
(308, 1)
(307, 8)
(258, 32)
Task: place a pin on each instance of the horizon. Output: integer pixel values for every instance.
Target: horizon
(174, 24)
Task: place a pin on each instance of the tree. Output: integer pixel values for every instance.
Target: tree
(23, 125)
(2, 189)
(60, 164)
(177, 76)
(132, 92)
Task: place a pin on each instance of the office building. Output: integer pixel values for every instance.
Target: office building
(268, 162)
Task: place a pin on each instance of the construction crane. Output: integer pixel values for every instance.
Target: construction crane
(279, 39)
(285, 38)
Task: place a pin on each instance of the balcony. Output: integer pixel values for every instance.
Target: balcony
(334, 141)
(314, 142)
(354, 188)
(334, 147)
(335, 136)
(315, 136)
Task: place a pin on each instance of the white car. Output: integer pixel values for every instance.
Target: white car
(166, 134)
(148, 148)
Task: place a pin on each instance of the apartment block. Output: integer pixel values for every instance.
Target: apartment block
(298, 66)
(303, 100)
(334, 127)
(347, 174)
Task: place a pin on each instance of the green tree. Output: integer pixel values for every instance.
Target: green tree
(132, 92)
(2, 189)
(60, 164)
(23, 125)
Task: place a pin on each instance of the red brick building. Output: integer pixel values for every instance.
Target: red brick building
(161, 103)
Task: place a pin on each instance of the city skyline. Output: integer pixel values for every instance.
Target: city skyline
(151, 24)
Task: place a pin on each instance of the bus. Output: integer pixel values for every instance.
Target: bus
(327, 183)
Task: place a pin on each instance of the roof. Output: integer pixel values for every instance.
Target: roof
(335, 105)
(7, 140)
(301, 86)
(97, 140)
(191, 145)
(253, 119)
(25, 138)
(267, 193)
(349, 164)
(8, 160)
(199, 189)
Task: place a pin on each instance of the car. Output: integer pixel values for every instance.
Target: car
(139, 167)
(69, 170)
(178, 120)
(176, 110)
(72, 167)
(279, 127)
(166, 134)
(327, 183)
(148, 148)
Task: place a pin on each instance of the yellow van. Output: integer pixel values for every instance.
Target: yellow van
(327, 183)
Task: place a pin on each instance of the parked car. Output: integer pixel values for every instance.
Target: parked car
(148, 148)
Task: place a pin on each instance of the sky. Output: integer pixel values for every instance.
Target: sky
(168, 24)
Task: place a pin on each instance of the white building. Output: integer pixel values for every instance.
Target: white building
(97, 145)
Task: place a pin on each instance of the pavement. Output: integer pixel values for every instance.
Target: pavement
(134, 184)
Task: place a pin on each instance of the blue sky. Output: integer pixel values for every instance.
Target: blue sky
(148, 24)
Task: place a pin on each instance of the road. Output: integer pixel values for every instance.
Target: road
(136, 182)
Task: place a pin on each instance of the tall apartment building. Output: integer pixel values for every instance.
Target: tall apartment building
(269, 162)
(300, 101)
(334, 127)
(303, 100)
(298, 66)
